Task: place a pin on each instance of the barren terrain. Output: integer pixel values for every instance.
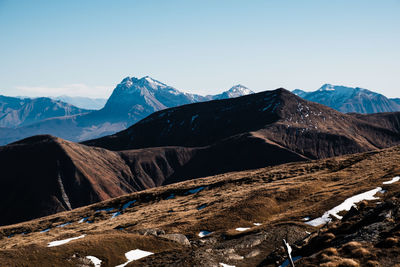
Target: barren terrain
(271, 204)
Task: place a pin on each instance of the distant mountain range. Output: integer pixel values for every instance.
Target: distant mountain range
(349, 99)
(132, 100)
(18, 112)
(83, 102)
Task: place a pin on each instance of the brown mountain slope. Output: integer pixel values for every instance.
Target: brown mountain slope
(389, 120)
(43, 175)
(167, 220)
(280, 117)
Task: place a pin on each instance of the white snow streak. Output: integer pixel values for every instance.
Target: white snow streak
(135, 255)
(346, 205)
(204, 233)
(64, 241)
(94, 260)
(242, 229)
(395, 179)
(62, 189)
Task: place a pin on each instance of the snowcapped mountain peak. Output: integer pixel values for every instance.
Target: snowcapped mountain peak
(342, 90)
(128, 81)
(152, 82)
(350, 99)
(144, 82)
(235, 91)
(243, 90)
(239, 90)
(327, 87)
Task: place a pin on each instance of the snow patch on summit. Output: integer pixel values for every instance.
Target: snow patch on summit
(239, 90)
(154, 83)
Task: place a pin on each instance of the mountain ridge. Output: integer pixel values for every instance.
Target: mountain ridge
(350, 99)
(277, 109)
(132, 100)
(16, 112)
(83, 102)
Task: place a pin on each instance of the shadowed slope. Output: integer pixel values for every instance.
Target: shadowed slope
(280, 117)
(42, 175)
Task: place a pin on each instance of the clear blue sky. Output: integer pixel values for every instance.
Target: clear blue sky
(86, 47)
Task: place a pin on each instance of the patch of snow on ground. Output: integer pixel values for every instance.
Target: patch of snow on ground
(115, 214)
(257, 224)
(286, 262)
(242, 229)
(64, 224)
(288, 248)
(202, 207)
(171, 196)
(345, 205)
(395, 179)
(135, 255)
(306, 218)
(204, 233)
(83, 219)
(125, 206)
(64, 241)
(225, 265)
(94, 260)
(45, 230)
(289, 252)
(194, 191)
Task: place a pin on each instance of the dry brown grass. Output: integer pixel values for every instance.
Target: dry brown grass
(341, 262)
(351, 246)
(330, 251)
(372, 263)
(391, 241)
(347, 263)
(361, 253)
(275, 196)
(327, 237)
(110, 248)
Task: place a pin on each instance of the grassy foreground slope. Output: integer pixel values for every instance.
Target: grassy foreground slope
(269, 203)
